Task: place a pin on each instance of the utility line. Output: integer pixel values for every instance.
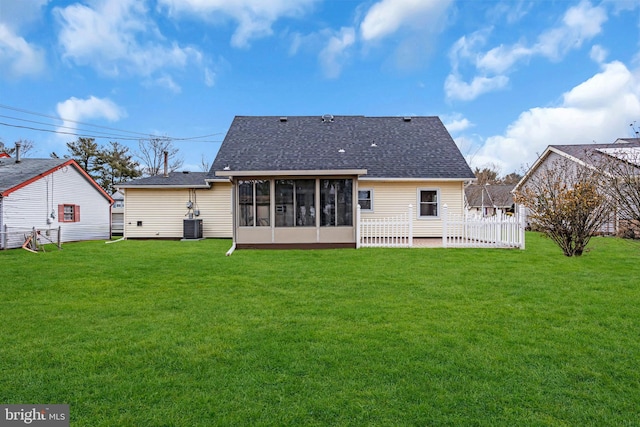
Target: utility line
(92, 133)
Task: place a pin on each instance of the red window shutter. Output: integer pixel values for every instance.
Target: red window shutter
(76, 212)
(60, 213)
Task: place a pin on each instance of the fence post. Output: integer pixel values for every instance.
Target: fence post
(59, 237)
(410, 226)
(445, 215)
(521, 224)
(4, 237)
(358, 225)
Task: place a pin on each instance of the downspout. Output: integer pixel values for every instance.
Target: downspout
(233, 217)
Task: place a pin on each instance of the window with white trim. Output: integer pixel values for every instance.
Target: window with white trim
(365, 199)
(428, 203)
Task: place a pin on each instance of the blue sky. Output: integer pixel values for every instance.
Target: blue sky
(507, 78)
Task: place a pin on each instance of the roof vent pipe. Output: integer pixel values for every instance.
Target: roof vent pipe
(166, 164)
(18, 159)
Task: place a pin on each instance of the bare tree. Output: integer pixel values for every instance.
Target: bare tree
(26, 146)
(151, 155)
(620, 174)
(205, 165)
(511, 179)
(487, 175)
(566, 202)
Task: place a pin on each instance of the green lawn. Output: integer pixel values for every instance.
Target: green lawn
(140, 333)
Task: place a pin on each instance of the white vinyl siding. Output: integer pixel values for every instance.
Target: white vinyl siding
(162, 211)
(31, 206)
(393, 198)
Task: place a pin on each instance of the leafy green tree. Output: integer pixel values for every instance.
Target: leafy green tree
(115, 165)
(86, 152)
(107, 166)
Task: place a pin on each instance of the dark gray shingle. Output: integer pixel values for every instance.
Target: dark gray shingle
(175, 179)
(13, 174)
(417, 148)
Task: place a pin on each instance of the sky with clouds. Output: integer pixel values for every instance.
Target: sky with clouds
(507, 78)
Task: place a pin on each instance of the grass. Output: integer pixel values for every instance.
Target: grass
(168, 333)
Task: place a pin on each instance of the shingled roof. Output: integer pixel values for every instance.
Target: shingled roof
(387, 147)
(174, 179)
(589, 153)
(14, 175)
(498, 195)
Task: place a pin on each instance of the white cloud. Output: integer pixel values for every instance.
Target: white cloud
(209, 77)
(116, 38)
(456, 123)
(334, 54)
(19, 58)
(456, 88)
(580, 23)
(599, 109)
(598, 54)
(167, 82)
(388, 16)
(75, 110)
(254, 17)
(502, 58)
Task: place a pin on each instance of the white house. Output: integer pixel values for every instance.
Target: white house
(50, 195)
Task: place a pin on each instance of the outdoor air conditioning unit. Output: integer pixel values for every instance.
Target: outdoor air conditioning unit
(192, 229)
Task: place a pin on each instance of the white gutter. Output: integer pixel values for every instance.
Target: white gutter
(163, 187)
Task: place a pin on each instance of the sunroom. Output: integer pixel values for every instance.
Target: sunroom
(294, 210)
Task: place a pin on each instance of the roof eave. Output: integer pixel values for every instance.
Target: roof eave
(313, 172)
(163, 186)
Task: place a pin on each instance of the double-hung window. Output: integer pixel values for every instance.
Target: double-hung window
(428, 203)
(365, 199)
(68, 213)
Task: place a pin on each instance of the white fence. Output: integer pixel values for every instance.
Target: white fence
(391, 232)
(498, 231)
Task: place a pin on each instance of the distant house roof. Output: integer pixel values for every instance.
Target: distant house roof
(15, 175)
(172, 180)
(497, 195)
(586, 154)
(376, 147)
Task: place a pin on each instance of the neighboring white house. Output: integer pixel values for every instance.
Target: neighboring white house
(589, 155)
(117, 213)
(50, 195)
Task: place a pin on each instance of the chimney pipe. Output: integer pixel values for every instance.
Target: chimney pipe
(166, 164)
(18, 159)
